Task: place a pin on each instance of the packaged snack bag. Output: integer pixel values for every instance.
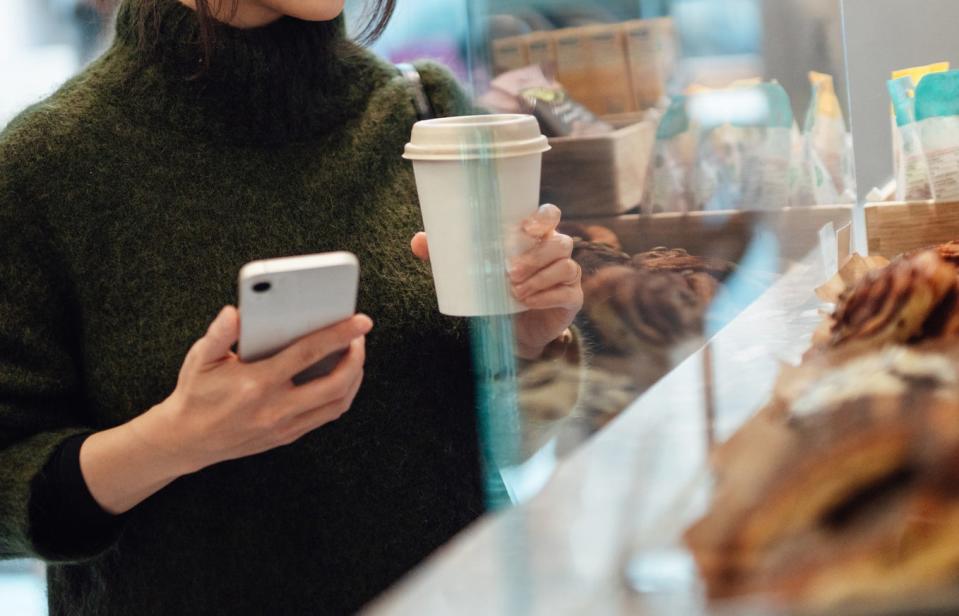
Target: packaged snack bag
(800, 181)
(937, 115)
(530, 90)
(825, 131)
(745, 148)
(668, 170)
(916, 73)
(904, 120)
(912, 170)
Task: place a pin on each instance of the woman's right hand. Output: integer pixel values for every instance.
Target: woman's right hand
(223, 409)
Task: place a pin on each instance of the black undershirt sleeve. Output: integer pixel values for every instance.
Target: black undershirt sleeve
(63, 511)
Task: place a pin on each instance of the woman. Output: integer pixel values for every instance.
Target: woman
(154, 484)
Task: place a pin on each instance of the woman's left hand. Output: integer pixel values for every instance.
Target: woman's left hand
(544, 278)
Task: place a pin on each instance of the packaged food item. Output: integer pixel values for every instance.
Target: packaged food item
(904, 120)
(916, 73)
(912, 170)
(937, 113)
(529, 90)
(801, 178)
(814, 184)
(668, 171)
(745, 147)
(559, 115)
(825, 130)
(667, 47)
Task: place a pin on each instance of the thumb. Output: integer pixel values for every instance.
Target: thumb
(222, 334)
(420, 246)
(543, 222)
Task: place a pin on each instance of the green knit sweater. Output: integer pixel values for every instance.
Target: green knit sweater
(129, 200)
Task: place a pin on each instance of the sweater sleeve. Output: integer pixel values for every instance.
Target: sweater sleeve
(41, 400)
(445, 94)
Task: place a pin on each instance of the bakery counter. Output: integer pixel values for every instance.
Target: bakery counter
(605, 534)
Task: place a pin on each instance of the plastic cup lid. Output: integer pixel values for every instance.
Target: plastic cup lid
(474, 137)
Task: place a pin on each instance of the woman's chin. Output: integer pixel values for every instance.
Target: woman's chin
(310, 10)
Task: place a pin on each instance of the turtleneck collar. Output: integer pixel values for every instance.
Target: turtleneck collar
(284, 82)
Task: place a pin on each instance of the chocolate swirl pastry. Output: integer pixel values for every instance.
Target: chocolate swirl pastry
(703, 285)
(602, 235)
(949, 252)
(678, 260)
(592, 233)
(910, 300)
(593, 257)
(845, 486)
(629, 309)
(943, 322)
(574, 230)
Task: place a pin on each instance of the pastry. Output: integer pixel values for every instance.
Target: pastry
(593, 257)
(816, 493)
(596, 234)
(602, 235)
(678, 260)
(630, 309)
(892, 305)
(949, 252)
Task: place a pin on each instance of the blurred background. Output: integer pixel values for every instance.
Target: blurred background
(43, 42)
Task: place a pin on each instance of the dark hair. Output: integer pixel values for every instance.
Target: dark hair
(377, 16)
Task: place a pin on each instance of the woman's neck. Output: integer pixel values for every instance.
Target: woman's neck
(248, 14)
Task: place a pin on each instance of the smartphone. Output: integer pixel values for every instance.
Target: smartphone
(282, 300)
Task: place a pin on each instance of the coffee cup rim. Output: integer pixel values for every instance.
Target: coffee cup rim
(475, 140)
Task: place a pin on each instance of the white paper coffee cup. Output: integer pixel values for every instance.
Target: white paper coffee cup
(478, 179)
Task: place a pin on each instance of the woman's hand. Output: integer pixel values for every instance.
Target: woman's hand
(224, 409)
(544, 278)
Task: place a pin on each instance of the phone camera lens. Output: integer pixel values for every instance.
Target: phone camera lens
(262, 287)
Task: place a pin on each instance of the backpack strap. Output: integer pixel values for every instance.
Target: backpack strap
(421, 102)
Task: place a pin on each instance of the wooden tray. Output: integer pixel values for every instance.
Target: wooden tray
(725, 234)
(598, 176)
(895, 228)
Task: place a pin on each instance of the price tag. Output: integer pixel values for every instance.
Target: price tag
(829, 246)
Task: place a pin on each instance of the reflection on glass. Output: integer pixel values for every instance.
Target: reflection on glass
(682, 167)
(699, 151)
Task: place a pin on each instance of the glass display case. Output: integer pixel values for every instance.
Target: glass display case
(760, 417)
(698, 151)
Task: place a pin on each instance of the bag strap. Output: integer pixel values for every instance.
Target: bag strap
(421, 102)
